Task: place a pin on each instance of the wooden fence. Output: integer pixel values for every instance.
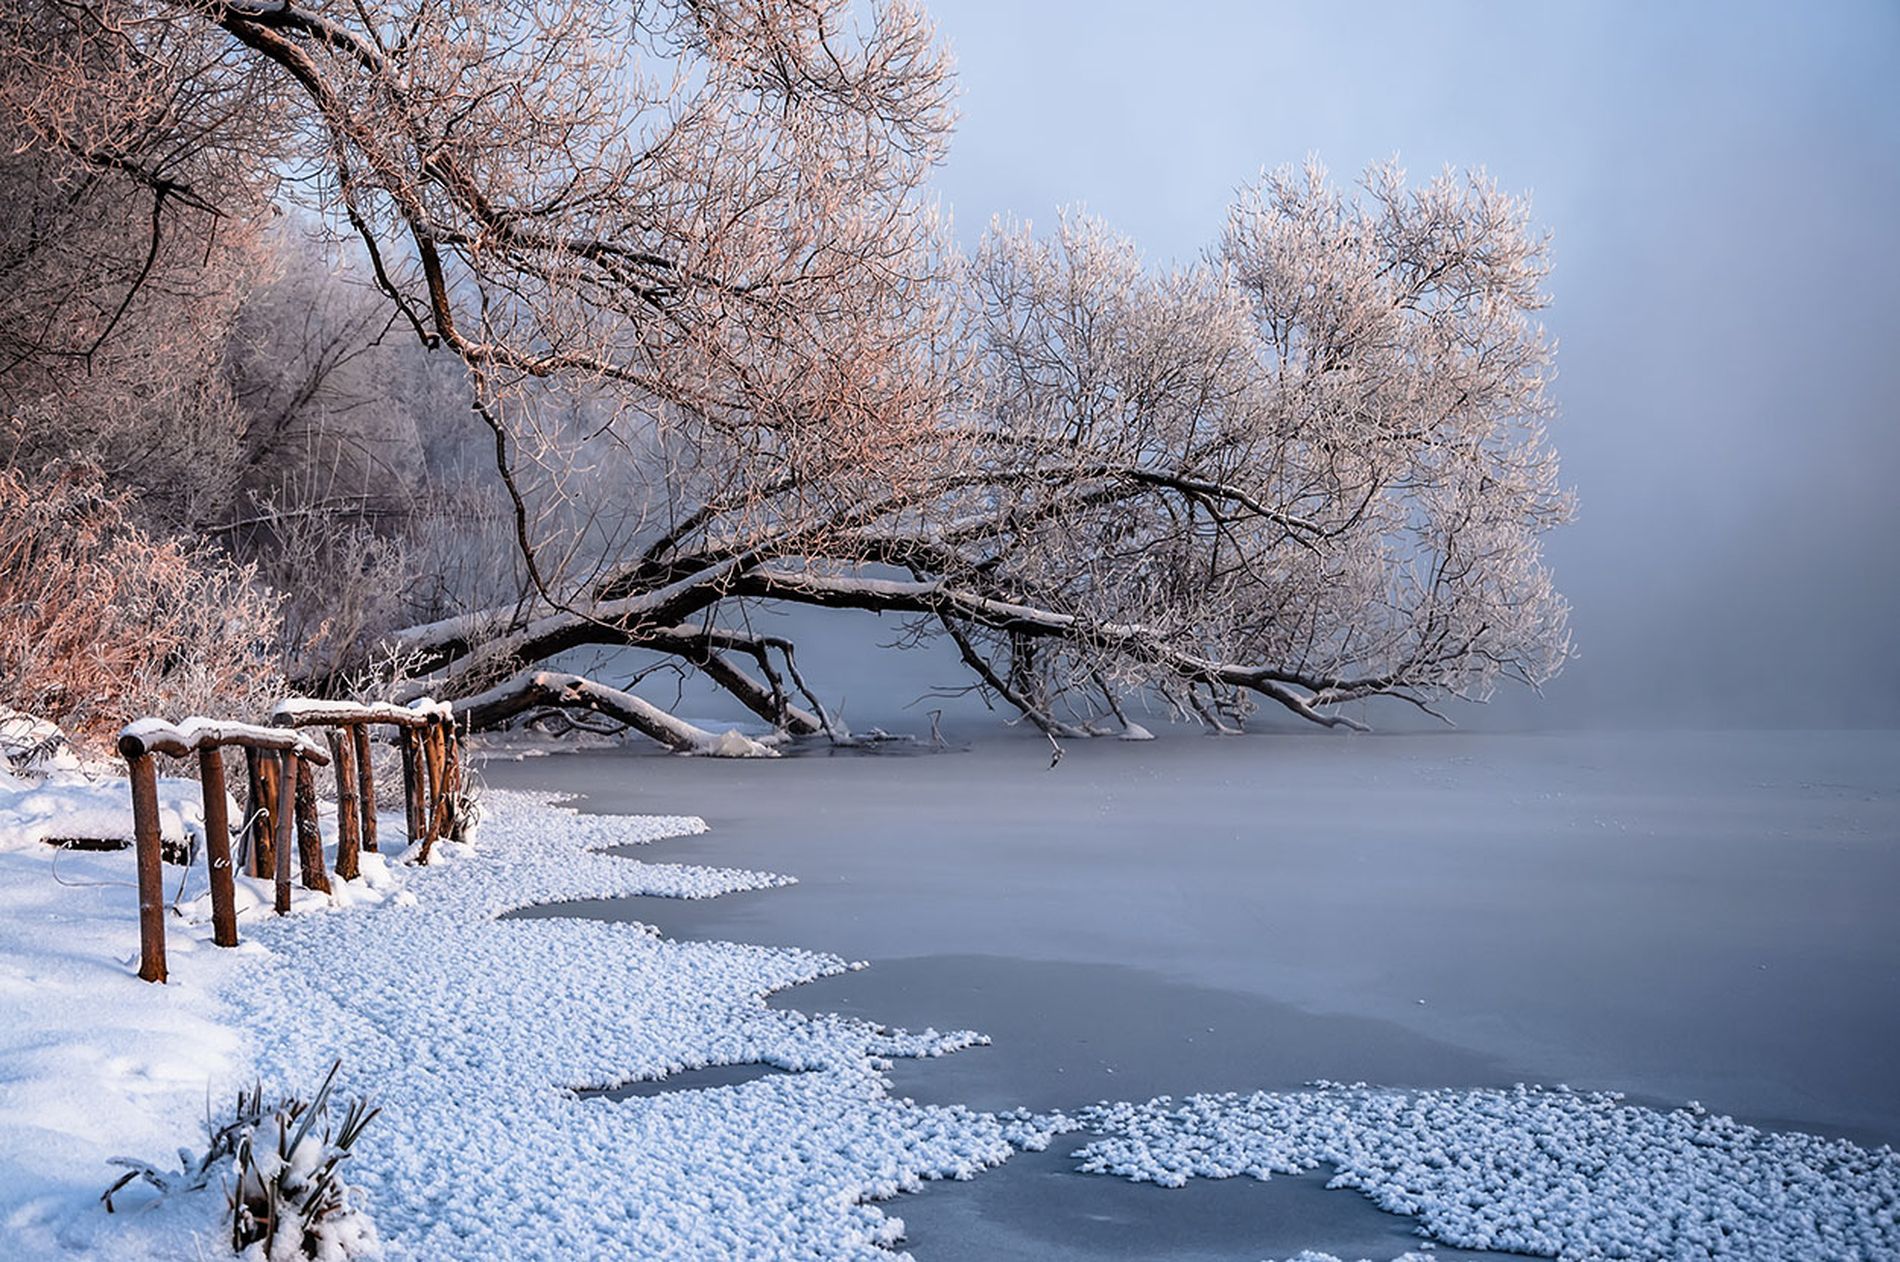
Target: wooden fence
(282, 797)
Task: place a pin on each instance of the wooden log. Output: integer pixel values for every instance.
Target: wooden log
(307, 712)
(414, 784)
(218, 847)
(150, 870)
(152, 736)
(253, 802)
(348, 835)
(270, 774)
(309, 835)
(366, 783)
(284, 810)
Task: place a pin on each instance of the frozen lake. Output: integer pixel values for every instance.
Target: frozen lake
(1676, 916)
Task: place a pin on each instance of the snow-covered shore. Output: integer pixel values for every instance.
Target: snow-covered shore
(471, 1033)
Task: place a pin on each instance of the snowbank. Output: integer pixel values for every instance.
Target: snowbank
(95, 1063)
(70, 806)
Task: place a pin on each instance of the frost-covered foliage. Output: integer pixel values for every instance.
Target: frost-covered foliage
(1551, 1173)
(1310, 469)
(683, 262)
(101, 623)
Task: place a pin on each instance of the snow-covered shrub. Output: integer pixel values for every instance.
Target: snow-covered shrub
(289, 1200)
(101, 623)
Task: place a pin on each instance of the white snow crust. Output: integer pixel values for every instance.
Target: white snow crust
(1547, 1172)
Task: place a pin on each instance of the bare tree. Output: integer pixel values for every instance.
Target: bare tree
(1310, 471)
(683, 255)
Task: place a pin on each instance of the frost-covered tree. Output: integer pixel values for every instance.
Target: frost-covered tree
(682, 256)
(1308, 471)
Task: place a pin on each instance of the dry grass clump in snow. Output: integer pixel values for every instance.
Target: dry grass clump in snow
(101, 623)
(290, 1201)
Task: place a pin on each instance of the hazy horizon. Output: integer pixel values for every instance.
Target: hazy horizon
(1720, 183)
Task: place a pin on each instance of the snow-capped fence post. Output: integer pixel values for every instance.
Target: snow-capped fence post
(348, 800)
(431, 764)
(218, 847)
(365, 783)
(151, 877)
(273, 758)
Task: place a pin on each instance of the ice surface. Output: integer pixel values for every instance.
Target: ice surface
(1679, 916)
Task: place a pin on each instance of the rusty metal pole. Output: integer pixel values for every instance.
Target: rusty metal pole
(151, 874)
(218, 846)
(348, 838)
(283, 815)
(366, 783)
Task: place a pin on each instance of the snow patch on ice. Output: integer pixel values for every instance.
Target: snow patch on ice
(1545, 1172)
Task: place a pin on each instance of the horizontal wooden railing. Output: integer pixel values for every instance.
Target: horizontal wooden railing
(282, 791)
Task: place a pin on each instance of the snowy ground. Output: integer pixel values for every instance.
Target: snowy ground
(471, 1033)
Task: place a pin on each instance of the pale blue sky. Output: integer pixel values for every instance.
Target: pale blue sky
(1723, 183)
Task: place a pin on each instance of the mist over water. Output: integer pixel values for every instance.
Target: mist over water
(1720, 180)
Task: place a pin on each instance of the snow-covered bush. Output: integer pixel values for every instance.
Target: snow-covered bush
(289, 1200)
(101, 623)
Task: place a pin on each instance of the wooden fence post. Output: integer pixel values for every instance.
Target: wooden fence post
(452, 759)
(413, 775)
(218, 847)
(309, 835)
(282, 816)
(434, 755)
(151, 874)
(348, 838)
(264, 807)
(366, 783)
